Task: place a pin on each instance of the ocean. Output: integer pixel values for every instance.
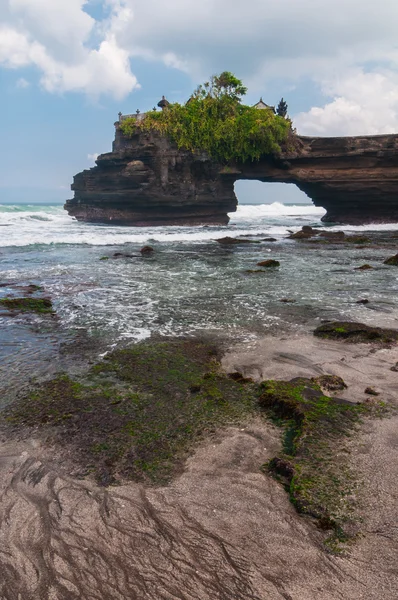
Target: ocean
(191, 285)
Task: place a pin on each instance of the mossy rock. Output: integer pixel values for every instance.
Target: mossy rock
(37, 305)
(138, 413)
(355, 332)
(393, 261)
(358, 239)
(270, 263)
(319, 480)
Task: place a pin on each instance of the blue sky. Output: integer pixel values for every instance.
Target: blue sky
(68, 66)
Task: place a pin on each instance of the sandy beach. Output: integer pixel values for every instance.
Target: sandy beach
(222, 529)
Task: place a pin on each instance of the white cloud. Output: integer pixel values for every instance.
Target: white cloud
(22, 83)
(363, 103)
(92, 157)
(329, 42)
(67, 47)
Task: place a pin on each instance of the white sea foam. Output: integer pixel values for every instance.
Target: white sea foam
(24, 225)
(276, 209)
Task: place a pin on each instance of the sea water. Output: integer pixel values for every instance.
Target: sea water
(191, 285)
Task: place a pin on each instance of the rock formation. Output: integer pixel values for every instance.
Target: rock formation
(146, 180)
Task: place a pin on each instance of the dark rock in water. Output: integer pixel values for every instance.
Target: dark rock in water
(355, 332)
(332, 383)
(147, 250)
(393, 260)
(371, 392)
(271, 239)
(37, 305)
(363, 301)
(363, 268)
(287, 300)
(395, 367)
(122, 255)
(300, 235)
(269, 263)
(147, 180)
(230, 241)
(333, 235)
(310, 230)
(358, 239)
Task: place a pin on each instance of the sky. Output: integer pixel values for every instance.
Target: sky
(67, 67)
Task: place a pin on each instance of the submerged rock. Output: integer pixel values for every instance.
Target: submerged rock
(393, 260)
(269, 263)
(146, 250)
(37, 305)
(230, 241)
(365, 267)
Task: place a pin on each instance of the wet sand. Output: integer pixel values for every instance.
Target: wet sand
(222, 530)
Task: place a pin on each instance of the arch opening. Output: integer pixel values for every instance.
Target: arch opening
(251, 191)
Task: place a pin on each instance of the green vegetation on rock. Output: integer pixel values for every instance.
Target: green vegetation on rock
(314, 466)
(356, 332)
(37, 305)
(215, 121)
(137, 414)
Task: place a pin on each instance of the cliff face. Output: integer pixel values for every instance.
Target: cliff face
(145, 180)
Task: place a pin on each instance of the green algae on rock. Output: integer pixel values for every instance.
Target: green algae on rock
(137, 414)
(355, 332)
(37, 305)
(318, 478)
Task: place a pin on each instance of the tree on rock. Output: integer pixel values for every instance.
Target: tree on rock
(281, 110)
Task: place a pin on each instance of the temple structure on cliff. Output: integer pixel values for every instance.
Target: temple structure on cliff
(261, 105)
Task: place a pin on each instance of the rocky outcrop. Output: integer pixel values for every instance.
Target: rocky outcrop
(146, 180)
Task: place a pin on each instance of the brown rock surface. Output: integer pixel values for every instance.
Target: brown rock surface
(146, 180)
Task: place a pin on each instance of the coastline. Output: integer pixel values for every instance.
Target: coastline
(222, 527)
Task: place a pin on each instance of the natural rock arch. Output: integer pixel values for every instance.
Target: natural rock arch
(146, 180)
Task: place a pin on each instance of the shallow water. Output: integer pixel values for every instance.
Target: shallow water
(190, 285)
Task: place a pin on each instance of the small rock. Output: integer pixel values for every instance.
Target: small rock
(330, 382)
(269, 240)
(363, 301)
(239, 378)
(287, 300)
(363, 268)
(269, 263)
(371, 391)
(121, 255)
(393, 260)
(333, 235)
(146, 250)
(395, 367)
(230, 241)
(358, 239)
